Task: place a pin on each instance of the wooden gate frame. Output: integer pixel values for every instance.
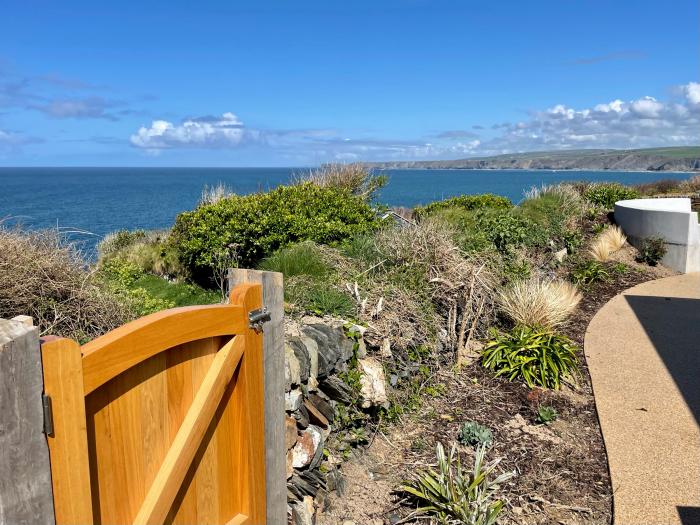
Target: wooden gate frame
(71, 372)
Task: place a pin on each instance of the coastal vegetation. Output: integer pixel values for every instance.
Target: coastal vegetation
(475, 305)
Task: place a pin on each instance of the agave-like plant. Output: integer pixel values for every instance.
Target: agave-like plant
(458, 496)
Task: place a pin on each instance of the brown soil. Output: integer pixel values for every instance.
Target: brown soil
(561, 470)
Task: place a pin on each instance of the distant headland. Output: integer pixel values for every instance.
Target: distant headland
(685, 158)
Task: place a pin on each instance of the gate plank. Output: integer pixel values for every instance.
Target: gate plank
(160, 496)
(68, 447)
(108, 356)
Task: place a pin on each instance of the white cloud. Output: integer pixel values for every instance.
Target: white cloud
(643, 122)
(202, 132)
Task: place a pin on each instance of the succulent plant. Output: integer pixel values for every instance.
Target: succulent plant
(546, 414)
(474, 434)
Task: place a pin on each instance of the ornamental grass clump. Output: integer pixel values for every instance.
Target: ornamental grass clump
(539, 302)
(45, 277)
(608, 242)
(536, 356)
(455, 495)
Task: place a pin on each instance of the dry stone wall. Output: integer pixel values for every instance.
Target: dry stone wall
(318, 356)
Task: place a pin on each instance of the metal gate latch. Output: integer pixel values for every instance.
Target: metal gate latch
(256, 318)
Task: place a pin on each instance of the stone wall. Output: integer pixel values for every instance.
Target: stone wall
(318, 356)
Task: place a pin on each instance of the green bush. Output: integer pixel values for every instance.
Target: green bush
(472, 433)
(652, 250)
(455, 495)
(465, 202)
(589, 272)
(299, 259)
(506, 231)
(256, 225)
(538, 357)
(608, 193)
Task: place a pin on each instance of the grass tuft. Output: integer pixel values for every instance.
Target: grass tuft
(539, 302)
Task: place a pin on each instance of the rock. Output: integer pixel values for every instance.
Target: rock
(290, 465)
(328, 351)
(308, 446)
(323, 405)
(337, 390)
(312, 350)
(293, 400)
(385, 348)
(300, 487)
(561, 254)
(302, 355)
(373, 384)
(361, 348)
(315, 415)
(314, 477)
(303, 512)
(302, 417)
(292, 374)
(290, 431)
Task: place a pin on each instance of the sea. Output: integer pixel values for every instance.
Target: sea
(87, 203)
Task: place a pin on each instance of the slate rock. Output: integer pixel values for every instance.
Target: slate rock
(302, 355)
(323, 406)
(302, 417)
(336, 389)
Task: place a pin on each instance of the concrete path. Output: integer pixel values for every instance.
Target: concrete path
(643, 353)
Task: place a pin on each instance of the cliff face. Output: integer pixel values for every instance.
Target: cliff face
(667, 159)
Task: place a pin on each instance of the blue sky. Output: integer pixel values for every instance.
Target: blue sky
(299, 83)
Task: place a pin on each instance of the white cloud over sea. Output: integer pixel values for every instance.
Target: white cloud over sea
(642, 122)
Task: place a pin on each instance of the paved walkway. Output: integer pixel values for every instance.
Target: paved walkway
(643, 353)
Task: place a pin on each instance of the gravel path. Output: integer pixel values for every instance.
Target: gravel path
(643, 354)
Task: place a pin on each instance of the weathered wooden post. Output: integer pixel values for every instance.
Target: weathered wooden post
(273, 361)
(25, 471)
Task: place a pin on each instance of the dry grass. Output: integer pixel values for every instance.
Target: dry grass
(539, 302)
(460, 288)
(354, 178)
(607, 243)
(45, 278)
(213, 194)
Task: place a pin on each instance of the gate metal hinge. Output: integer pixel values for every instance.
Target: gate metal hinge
(256, 318)
(48, 414)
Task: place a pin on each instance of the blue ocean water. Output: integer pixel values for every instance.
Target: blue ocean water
(101, 200)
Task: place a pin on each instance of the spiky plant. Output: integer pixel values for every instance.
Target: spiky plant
(455, 495)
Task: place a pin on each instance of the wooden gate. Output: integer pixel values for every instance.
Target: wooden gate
(161, 420)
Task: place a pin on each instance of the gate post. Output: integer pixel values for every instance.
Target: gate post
(25, 471)
(273, 363)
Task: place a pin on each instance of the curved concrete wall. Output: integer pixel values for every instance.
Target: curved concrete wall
(672, 219)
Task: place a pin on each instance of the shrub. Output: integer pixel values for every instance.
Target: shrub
(46, 278)
(120, 277)
(660, 186)
(546, 414)
(608, 242)
(299, 259)
(539, 302)
(472, 433)
(149, 250)
(465, 202)
(589, 272)
(538, 357)
(554, 209)
(455, 495)
(355, 179)
(652, 250)
(261, 223)
(607, 194)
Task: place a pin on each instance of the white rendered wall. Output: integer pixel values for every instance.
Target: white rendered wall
(671, 219)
